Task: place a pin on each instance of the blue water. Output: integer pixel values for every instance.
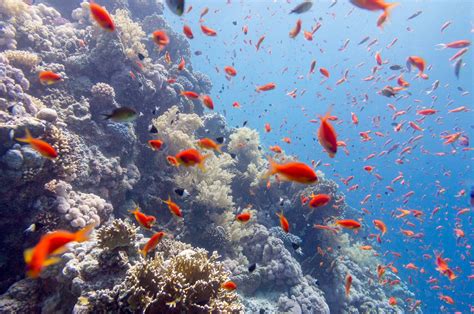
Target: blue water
(424, 171)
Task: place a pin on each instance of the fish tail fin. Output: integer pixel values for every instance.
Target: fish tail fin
(143, 252)
(327, 114)
(390, 7)
(441, 46)
(27, 255)
(106, 116)
(134, 211)
(27, 138)
(219, 148)
(201, 163)
(272, 169)
(83, 234)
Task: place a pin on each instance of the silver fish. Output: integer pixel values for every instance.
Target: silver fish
(433, 87)
(364, 40)
(302, 7)
(176, 6)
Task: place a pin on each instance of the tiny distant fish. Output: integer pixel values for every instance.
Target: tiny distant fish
(153, 129)
(395, 67)
(198, 53)
(457, 67)
(460, 89)
(433, 87)
(472, 195)
(122, 114)
(140, 56)
(233, 155)
(333, 3)
(364, 40)
(302, 7)
(245, 123)
(252, 267)
(181, 192)
(464, 140)
(295, 245)
(234, 22)
(31, 228)
(414, 15)
(220, 140)
(176, 6)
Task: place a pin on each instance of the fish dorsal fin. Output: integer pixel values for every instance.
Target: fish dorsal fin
(28, 254)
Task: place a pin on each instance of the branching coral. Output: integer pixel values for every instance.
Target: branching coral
(130, 34)
(118, 234)
(24, 60)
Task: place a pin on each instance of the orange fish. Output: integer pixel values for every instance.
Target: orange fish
(207, 101)
(268, 128)
(243, 217)
(354, 118)
(319, 200)
(188, 32)
(190, 94)
(296, 30)
(366, 247)
(167, 57)
(378, 58)
(260, 40)
(348, 223)
(401, 81)
(208, 31)
(327, 135)
(101, 16)
(144, 220)
(230, 70)
(376, 5)
(419, 63)
(324, 72)
(322, 227)
(276, 149)
(172, 161)
(160, 38)
(292, 171)
(426, 112)
(173, 207)
(155, 144)
(368, 168)
(266, 87)
(49, 78)
(392, 301)
(191, 157)
(446, 299)
(45, 149)
(348, 284)
(229, 285)
(236, 104)
(53, 243)
(207, 143)
(152, 243)
(181, 65)
(283, 222)
(380, 225)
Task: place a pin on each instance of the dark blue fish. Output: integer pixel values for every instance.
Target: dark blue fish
(176, 6)
(302, 7)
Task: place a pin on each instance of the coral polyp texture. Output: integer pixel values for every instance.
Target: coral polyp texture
(208, 261)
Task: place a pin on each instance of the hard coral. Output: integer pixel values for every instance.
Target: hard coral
(118, 234)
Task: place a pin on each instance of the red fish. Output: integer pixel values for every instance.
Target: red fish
(188, 32)
(230, 70)
(161, 39)
(173, 207)
(243, 217)
(181, 65)
(376, 5)
(327, 135)
(42, 147)
(191, 157)
(276, 149)
(324, 72)
(152, 243)
(419, 63)
(259, 42)
(101, 16)
(283, 222)
(190, 94)
(266, 87)
(49, 78)
(144, 220)
(348, 284)
(53, 243)
(380, 225)
(455, 44)
(155, 144)
(292, 171)
(348, 223)
(319, 200)
(229, 285)
(208, 31)
(296, 30)
(207, 101)
(207, 143)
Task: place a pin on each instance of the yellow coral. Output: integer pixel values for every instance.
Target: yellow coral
(130, 34)
(24, 60)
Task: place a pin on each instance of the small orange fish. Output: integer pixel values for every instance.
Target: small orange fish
(327, 135)
(348, 284)
(401, 81)
(172, 161)
(191, 157)
(207, 143)
(296, 30)
(208, 31)
(243, 217)
(190, 94)
(376, 5)
(324, 72)
(446, 299)
(155, 144)
(378, 58)
(173, 207)
(231, 71)
(266, 87)
(319, 200)
(101, 16)
(152, 243)
(188, 32)
(368, 168)
(229, 285)
(144, 220)
(53, 243)
(328, 228)
(292, 171)
(182, 64)
(236, 104)
(419, 63)
(366, 247)
(45, 149)
(268, 128)
(276, 149)
(161, 38)
(380, 225)
(348, 223)
(392, 301)
(207, 101)
(49, 78)
(167, 57)
(283, 222)
(259, 42)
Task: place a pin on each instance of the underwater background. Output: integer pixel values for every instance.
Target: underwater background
(408, 168)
